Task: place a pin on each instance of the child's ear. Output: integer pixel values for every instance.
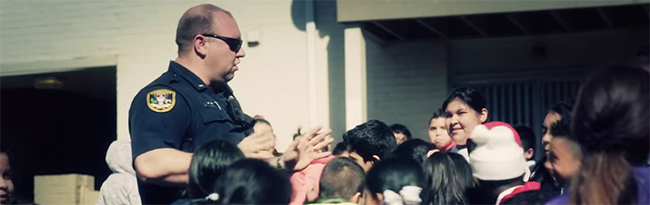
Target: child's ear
(529, 154)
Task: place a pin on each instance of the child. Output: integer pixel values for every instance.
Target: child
(528, 144)
(449, 176)
(401, 133)
(7, 195)
(121, 187)
(305, 182)
(6, 185)
(398, 180)
(208, 163)
(565, 154)
(438, 133)
(342, 183)
(367, 143)
(498, 164)
(251, 181)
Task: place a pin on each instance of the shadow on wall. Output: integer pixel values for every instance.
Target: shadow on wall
(328, 27)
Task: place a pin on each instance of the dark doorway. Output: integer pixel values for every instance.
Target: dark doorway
(58, 123)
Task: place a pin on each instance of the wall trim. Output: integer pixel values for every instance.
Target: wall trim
(28, 68)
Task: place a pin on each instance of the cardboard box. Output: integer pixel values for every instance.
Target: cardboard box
(67, 189)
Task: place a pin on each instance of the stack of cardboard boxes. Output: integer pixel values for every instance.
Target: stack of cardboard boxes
(69, 189)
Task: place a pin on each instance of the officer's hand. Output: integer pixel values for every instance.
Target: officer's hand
(308, 147)
(258, 144)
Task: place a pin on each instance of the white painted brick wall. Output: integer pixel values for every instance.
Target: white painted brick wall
(406, 83)
(273, 76)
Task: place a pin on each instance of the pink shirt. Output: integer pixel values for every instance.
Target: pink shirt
(449, 146)
(309, 177)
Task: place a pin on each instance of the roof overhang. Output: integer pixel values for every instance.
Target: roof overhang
(373, 10)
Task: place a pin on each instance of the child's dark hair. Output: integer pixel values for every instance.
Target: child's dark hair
(341, 178)
(562, 126)
(370, 138)
(414, 148)
(209, 161)
(449, 177)
(611, 124)
(339, 148)
(527, 136)
(251, 181)
(560, 129)
(399, 128)
(473, 98)
(563, 108)
(437, 114)
(394, 174)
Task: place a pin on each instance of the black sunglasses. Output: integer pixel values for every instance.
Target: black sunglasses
(233, 43)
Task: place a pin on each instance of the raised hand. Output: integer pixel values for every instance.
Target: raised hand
(308, 147)
(258, 144)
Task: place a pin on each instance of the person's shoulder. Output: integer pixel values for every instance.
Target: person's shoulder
(158, 98)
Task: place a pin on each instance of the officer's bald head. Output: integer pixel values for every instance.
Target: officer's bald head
(196, 20)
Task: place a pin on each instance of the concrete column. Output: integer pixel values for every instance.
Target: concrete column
(356, 106)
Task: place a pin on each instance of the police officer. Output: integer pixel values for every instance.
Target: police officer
(191, 104)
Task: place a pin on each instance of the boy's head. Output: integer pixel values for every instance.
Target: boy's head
(527, 136)
(438, 133)
(342, 178)
(368, 143)
(401, 133)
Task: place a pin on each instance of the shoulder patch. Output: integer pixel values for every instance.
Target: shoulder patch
(161, 100)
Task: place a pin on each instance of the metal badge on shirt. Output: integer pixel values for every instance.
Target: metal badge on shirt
(161, 100)
(212, 104)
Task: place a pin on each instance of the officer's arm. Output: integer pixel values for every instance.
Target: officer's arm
(156, 133)
(165, 166)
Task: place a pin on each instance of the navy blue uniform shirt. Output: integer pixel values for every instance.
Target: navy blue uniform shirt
(178, 110)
